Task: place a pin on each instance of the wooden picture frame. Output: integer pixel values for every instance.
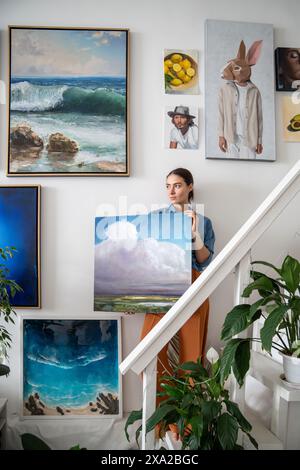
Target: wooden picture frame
(68, 101)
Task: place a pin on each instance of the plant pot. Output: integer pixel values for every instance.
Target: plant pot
(291, 368)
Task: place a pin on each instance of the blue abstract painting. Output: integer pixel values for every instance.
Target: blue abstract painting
(19, 227)
(70, 367)
(142, 262)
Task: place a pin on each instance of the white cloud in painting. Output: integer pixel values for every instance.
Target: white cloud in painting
(126, 264)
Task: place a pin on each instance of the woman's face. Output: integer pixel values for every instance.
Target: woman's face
(177, 189)
(291, 64)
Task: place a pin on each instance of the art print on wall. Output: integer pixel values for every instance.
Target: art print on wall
(291, 119)
(287, 61)
(239, 91)
(71, 367)
(181, 128)
(20, 228)
(142, 262)
(181, 72)
(68, 108)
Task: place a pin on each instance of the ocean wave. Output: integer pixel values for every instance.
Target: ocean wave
(63, 362)
(26, 97)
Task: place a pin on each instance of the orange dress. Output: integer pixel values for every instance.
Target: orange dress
(192, 337)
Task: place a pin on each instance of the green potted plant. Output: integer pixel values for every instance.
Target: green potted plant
(197, 402)
(8, 289)
(278, 303)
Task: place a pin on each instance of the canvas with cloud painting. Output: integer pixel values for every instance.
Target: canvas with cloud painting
(142, 262)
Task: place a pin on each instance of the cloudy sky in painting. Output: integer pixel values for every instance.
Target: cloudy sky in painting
(66, 53)
(127, 261)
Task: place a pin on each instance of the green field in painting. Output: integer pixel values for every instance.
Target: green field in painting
(134, 303)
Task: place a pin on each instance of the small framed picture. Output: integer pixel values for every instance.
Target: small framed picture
(181, 72)
(287, 66)
(181, 128)
(70, 367)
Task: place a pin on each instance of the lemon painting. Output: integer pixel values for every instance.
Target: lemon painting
(181, 72)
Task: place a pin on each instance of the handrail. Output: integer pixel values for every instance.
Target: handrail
(214, 274)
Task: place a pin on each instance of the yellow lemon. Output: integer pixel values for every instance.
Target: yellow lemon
(190, 72)
(170, 74)
(166, 69)
(181, 74)
(186, 79)
(176, 58)
(186, 64)
(176, 67)
(168, 63)
(176, 82)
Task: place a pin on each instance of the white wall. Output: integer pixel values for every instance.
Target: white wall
(230, 190)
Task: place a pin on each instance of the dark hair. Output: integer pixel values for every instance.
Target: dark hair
(190, 120)
(187, 176)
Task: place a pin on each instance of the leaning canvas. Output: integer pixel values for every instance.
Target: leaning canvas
(68, 102)
(20, 228)
(70, 367)
(239, 91)
(142, 262)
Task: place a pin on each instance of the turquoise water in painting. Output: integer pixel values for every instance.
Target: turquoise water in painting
(89, 110)
(69, 362)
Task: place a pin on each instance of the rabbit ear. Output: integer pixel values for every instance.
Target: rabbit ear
(254, 52)
(242, 51)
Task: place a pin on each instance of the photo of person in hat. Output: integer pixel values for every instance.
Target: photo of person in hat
(184, 132)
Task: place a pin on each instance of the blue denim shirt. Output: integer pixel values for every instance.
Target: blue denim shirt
(207, 234)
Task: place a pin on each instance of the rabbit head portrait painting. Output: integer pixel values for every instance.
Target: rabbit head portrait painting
(240, 106)
(239, 91)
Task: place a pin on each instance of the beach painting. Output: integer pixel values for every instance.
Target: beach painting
(70, 368)
(68, 102)
(20, 228)
(142, 262)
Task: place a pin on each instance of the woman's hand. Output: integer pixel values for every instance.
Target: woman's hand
(196, 238)
(195, 221)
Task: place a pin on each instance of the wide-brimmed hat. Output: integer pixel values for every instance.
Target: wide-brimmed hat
(182, 111)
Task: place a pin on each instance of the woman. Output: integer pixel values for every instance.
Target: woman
(192, 336)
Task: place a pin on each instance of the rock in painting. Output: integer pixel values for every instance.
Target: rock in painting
(23, 136)
(58, 142)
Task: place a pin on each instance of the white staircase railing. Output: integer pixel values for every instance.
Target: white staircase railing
(234, 256)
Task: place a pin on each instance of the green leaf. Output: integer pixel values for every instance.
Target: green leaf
(254, 307)
(234, 410)
(263, 284)
(211, 409)
(197, 426)
(290, 272)
(227, 358)
(32, 442)
(159, 414)
(236, 321)
(227, 430)
(272, 322)
(241, 363)
(265, 263)
(132, 418)
(252, 440)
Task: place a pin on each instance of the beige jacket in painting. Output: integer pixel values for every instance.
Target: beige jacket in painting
(253, 123)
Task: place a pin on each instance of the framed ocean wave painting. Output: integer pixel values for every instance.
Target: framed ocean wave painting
(68, 102)
(70, 367)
